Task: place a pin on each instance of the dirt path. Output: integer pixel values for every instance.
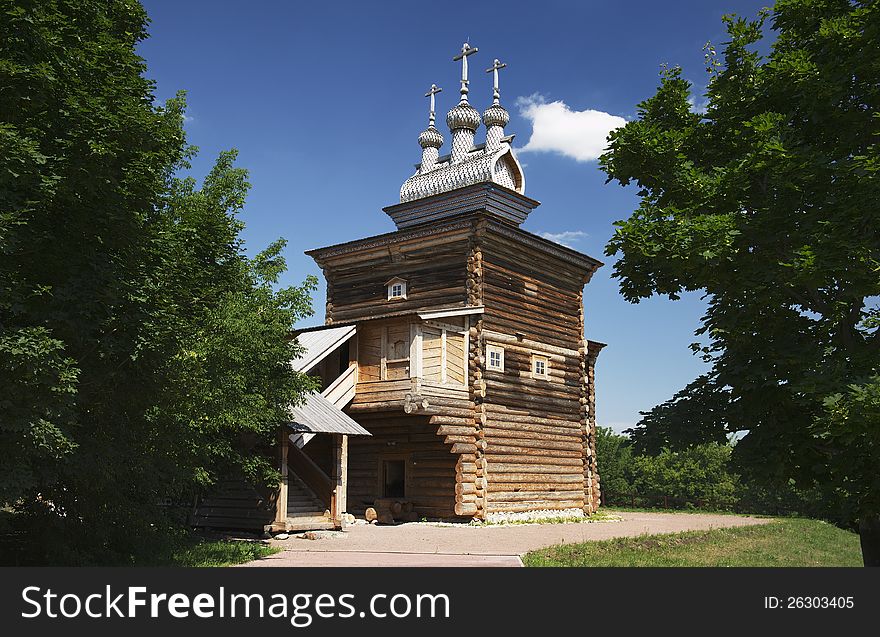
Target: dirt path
(425, 544)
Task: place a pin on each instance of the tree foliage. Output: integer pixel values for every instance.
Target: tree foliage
(701, 412)
(767, 202)
(142, 353)
(614, 455)
(696, 475)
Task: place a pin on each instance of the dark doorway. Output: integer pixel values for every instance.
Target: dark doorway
(393, 479)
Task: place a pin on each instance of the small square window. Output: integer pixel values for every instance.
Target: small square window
(540, 366)
(495, 358)
(396, 289)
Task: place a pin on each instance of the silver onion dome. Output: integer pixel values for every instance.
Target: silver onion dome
(463, 116)
(496, 115)
(430, 138)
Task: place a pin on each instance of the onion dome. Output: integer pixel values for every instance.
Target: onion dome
(464, 116)
(430, 138)
(496, 115)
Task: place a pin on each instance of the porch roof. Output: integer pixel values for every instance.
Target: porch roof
(319, 415)
(319, 343)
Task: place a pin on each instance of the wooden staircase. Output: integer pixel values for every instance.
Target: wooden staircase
(304, 510)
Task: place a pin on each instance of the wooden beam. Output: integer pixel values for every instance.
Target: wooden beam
(281, 502)
(458, 311)
(340, 478)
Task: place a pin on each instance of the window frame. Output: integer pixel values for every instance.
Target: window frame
(545, 361)
(494, 349)
(393, 283)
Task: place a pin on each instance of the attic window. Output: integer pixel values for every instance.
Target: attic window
(396, 289)
(540, 367)
(495, 358)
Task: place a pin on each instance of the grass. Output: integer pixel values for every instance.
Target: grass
(168, 547)
(603, 515)
(629, 509)
(213, 553)
(782, 542)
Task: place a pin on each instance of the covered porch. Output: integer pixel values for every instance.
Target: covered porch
(312, 493)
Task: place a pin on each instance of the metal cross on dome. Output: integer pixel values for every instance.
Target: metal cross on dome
(466, 50)
(434, 90)
(497, 65)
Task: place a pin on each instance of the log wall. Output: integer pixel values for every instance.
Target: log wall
(536, 430)
(511, 442)
(430, 467)
(432, 268)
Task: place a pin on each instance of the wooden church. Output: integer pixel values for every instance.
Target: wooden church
(457, 381)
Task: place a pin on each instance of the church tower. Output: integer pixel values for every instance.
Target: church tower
(460, 339)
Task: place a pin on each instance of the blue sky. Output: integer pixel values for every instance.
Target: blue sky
(325, 101)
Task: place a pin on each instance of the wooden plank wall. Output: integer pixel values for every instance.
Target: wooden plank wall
(432, 354)
(535, 430)
(432, 268)
(430, 467)
(591, 473)
(531, 292)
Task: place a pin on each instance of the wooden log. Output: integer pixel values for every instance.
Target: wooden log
(539, 505)
(462, 447)
(529, 477)
(433, 483)
(455, 430)
(510, 439)
(451, 440)
(568, 436)
(446, 421)
(441, 415)
(501, 415)
(538, 486)
(385, 405)
(433, 500)
(499, 467)
(494, 460)
(465, 508)
(530, 399)
(535, 450)
(421, 492)
(370, 514)
(531, 496)
(431, 463)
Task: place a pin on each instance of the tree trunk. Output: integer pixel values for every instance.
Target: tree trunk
(869, 535)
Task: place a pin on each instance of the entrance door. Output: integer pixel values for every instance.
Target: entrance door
(393, 478)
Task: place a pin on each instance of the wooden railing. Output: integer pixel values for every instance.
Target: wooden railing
(310, 473)
(341, 391)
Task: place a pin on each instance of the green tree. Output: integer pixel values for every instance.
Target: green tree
(84, 156)
(699, 474)
(142, 353)
(766, 202)
(614, 455)
(701, 412)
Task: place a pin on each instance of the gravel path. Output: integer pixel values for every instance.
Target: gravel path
(425, 544)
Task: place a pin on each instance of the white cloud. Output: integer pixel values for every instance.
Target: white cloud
(188, 118)
(580, 135)
(566, 237)
(698, 104)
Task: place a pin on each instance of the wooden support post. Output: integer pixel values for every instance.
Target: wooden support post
(339, 479)
(281, 502)
(342, 485)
